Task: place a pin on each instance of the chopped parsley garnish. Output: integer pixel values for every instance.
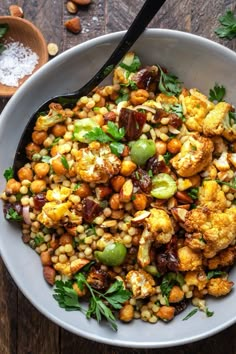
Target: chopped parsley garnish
(13, 215)
(192, 313)
(231, 184)
(64, 162)
(122, 97)
(133, 67)
(100, 304)
(91, 231)
(232, 118)
(193, 193)
(228, 22)
(168, 281)
(167, 157)
(55, 141)
(177, 108)
(8, 173)
(76, 186)
(169, 84)
(38, 240)
(209, 313)
(215, 274)
(217, 93)
(115, 134)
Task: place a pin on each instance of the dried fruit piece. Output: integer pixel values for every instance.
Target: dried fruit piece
(133, 123)
(52, 49)
(16, 11)
(90, 209)
(73, 25)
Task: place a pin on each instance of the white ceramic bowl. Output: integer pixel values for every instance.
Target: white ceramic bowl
(199, 63)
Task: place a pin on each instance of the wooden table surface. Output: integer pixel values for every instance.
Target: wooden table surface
(23, 330)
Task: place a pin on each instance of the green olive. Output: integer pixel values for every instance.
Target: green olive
(82, 127)
(113, 254)
(141, 150)
(163, 186)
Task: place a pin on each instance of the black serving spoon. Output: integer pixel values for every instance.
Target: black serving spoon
(139, 24)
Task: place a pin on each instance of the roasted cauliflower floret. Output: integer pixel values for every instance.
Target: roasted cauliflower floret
(195, 155)
(196, 278)
(158, 228)
(189, 259)
(211, 196)
(166, 100)
(58, 194)
(195, 108)
(219, 122)
(96, 163)
(56, 115)
(217, 229)
(141, 283)
(52, 213)
(222, 163)
(224, 258)
(219, 287)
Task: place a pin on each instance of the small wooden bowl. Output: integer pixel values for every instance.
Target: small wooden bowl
(23, 31)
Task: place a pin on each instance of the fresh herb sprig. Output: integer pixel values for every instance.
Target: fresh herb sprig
(8, 173)
(231, 184)
(193, 193)
(215, 274)
(113, 136)
(217, 93)
(169, 84)
(4, 27)
(13, 215)
(115, 296)
(168, 281)
(133, 67)
(228, 22)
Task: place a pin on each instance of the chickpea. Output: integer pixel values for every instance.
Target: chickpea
(32, 149)
(58, 130)
(83, 190)
(54, 150)
(41, 169)
(117, 182)
(45, 258)
(58, 166)
(101, 102)
(65, 239)
(99, 119)
(38, 137)
(161, 147)
(79, 292)
(25, 173)
(140, 201)
(166, 313)
(139, 97)
(38, 186)
(126, 313)
(176, 294)
(114, 202)
(12, 186)
(127, 168)
(174, 146)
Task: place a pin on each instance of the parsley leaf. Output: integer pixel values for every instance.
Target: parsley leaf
(228, 22)
(116, 132)
(177, 108)
(13, 215)
(8, 173)
(232, 118)
(116, 295)
(217, 93)
(38, 240)
(133, 67)
(66, 296)
(97, 134)
(168, 281)
(193, 312)
(231, 184)
(215, 273)
(169, 84)
(3, 30)
(117, 148)
(209, 313)
(193, 193)
(122, 97)
(64, 162)
(167, 157)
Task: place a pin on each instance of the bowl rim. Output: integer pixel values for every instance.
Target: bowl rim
(41, 40)
(59, 321)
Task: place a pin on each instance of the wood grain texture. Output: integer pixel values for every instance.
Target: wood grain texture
(23, 330)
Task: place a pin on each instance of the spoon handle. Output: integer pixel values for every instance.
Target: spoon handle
(145, 15)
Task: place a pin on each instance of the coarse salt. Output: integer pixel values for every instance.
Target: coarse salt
(16, 61)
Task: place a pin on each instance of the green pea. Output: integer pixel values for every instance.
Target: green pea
(113, 254)
(142, 150)
(163, 186)
(82, 127)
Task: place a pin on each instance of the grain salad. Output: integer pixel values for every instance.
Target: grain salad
(128, 197)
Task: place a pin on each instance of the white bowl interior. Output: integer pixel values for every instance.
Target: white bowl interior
(198, 63)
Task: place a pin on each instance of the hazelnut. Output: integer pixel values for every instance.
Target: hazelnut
(16, 11)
